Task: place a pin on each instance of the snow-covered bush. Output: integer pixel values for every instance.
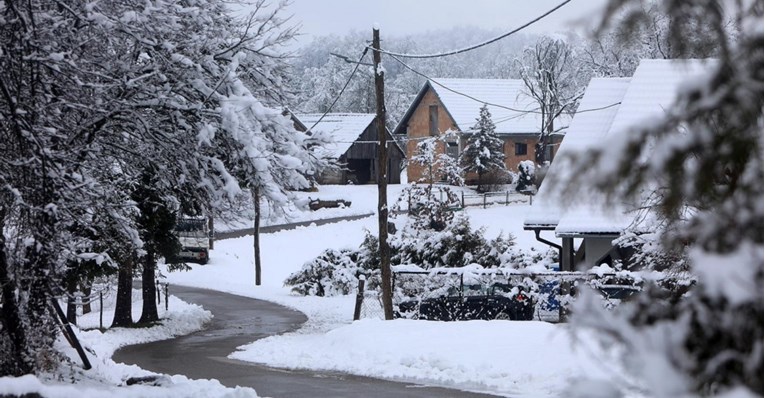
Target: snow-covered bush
(526, 172)
(455, 245)
(430, 206)
(333, 273)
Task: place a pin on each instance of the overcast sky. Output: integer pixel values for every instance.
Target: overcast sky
(399, 17)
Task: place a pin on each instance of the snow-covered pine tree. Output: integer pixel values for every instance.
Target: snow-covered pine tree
(707, 190)
(483, 152)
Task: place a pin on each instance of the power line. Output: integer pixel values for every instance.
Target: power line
(363, 53)
(473, 47)
(457, 92)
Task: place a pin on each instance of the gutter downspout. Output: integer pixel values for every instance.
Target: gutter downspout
(545, 241)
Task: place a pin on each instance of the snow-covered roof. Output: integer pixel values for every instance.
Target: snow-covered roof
(644, 99)
(463, 99)
(344, 128)
(586, 130)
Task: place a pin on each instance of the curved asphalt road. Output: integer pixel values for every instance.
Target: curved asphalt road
(240, 320)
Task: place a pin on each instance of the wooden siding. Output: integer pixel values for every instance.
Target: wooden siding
(360, 161)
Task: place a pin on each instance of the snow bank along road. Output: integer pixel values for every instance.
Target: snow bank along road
(240, 320)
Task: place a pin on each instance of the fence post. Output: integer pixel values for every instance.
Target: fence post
(359, 298)
(101, 310)
(507, 198)
(166, 285)
(484, 201)
(463, 199)
(531, 200)
(158, 288)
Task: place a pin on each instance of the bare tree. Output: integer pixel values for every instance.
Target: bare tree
(553, 81)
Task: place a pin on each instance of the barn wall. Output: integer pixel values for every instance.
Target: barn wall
(364, 154)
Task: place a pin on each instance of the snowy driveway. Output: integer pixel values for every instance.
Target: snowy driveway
(240, 320)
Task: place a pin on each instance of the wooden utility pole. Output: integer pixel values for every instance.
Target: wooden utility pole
(256, 234)
(382, 179)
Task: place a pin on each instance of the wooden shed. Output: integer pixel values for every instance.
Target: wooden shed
(355, 148)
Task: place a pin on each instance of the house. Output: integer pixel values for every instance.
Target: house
(587, 226)
(454, 104)
(354, 147)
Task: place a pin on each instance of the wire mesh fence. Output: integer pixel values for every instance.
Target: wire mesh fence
(494, 198)
(549, 293)
(371, 307)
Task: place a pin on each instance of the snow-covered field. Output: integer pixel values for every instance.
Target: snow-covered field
(500, 357)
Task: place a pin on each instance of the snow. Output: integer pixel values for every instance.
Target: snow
(500, 357)
(344, 128)
(107, 378)
(508, 93)
(529, 358)
(586, 130)
(504, 357)
(644, 97)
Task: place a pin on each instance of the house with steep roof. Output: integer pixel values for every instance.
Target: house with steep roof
(354, 147)
(610, 108)
(454, 104)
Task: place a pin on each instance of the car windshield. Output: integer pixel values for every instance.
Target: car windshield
(190, 227)
(474, 290)
(501, 289)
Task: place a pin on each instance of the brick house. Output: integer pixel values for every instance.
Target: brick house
(438, 109)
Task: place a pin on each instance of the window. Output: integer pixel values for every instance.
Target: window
(520, 148)
(452, 149)
(433, 120)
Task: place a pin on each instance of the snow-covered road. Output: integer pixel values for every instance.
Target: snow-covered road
(239, 320)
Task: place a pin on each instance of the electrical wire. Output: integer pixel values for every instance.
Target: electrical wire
(343, 89)
(473, 47)
(458, 92)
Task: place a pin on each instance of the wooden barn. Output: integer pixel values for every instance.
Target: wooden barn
(355, 148)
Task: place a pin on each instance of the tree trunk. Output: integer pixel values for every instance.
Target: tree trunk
(13, 361)
(149, 289)
(87, 289)
(71, 303)
(256, 233)
(123, 310)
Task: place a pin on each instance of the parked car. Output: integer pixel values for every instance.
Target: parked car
(498, 301)
(194, 235)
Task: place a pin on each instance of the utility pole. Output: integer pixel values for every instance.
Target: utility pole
(382, 179)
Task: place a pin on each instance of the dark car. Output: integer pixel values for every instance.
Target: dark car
(498, 301)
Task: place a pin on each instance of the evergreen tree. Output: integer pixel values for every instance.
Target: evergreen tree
(483, 153)
(156, 225)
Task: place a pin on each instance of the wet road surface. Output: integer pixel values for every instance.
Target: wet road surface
(240, 320)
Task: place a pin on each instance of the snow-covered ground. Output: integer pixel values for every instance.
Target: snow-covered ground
(502, 357)
(358, 195)
(107, 378)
